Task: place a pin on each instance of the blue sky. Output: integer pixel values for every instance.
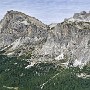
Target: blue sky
(48, 11)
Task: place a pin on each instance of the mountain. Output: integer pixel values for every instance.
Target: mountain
(20, 33)
(35, 56)
(66, 43)
(82, 16)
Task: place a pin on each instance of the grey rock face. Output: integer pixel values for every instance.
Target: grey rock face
(68, 41)
(16, 25)
(84, 16)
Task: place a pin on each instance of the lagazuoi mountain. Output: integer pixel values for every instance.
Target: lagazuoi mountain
(67, 42)
(35, 56)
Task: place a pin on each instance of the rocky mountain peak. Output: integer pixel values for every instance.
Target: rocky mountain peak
(82, 16)
(18, 29)
(67, 42)
(21, 17)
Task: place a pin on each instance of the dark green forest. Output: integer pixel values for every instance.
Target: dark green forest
(42, 76)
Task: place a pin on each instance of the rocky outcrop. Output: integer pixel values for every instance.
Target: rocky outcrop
(21, 32)
(82, 16)
(72, 40)
(67, 42)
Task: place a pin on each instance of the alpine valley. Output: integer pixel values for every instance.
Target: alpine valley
(36, 56)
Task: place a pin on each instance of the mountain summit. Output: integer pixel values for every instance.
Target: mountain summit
(18, 30)
(82, 16)
(67, 43)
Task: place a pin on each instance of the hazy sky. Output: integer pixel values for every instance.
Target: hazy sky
(48, 11)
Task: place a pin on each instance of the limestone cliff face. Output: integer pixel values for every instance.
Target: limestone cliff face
(21, 32)
(71, 40)
(68, 41)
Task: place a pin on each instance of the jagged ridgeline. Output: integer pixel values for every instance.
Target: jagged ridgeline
(35, 56)
(67, 42)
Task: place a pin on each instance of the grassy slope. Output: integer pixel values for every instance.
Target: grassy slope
(41, 76)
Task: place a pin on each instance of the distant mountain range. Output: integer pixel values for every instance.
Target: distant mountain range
(67, 43)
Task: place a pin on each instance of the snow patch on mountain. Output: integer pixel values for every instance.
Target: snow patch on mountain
(31, 64)
(60, 57)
